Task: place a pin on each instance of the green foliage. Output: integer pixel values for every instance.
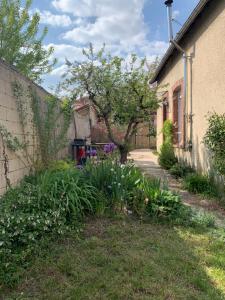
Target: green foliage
(124, 187)
(53, 202)
(160, 202)
(200, 184)
(48, 204)
(167, 157)
(180, 170)
(115, 182)
(20, 44)
(11, 142)
(51, 120)
(119, 91)
(215, 140)
(167, 131)
(61, 165)
(196, 218)
(52, 125)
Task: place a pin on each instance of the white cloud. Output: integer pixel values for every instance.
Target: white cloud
(65, 51)
(59, 71)
(97, 8)
(176, 14)
(46, 17)
(115, 21)
(119, 24)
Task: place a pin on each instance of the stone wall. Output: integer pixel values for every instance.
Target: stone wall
(19, 162)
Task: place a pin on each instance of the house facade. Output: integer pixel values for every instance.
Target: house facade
(85, 118)
(192, 89)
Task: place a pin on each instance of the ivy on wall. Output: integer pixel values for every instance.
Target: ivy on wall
(52, 122)
(47, 119)
(10, 141)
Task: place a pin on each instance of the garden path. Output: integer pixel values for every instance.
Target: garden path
(147, 161)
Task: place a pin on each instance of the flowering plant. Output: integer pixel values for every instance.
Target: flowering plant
(109, 148)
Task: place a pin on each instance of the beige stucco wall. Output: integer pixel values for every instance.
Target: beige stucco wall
(84, 119)
(18, 162)
(206, 82)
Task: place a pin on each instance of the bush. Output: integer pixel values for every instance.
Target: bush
(180, 170)
(199, 184)
(188, 216)
(160, 202)
(215, 141)
(167, 157)
(124, 187)
(61, 165)
(51, 203)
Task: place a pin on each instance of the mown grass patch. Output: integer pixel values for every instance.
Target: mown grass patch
(126, 259)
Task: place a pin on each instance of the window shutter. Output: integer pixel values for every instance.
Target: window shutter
(175, 118)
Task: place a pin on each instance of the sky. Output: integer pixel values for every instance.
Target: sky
(125, 26)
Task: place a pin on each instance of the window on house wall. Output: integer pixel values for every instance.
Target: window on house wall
(165, 109)
(178, 117)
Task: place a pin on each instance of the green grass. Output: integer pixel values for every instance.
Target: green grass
(126, 259)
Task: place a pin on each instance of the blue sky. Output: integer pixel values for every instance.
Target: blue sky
(124, 25)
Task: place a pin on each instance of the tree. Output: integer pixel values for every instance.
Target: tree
(19, 42)
(118, 89)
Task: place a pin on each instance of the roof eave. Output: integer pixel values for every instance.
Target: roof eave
(198, 9)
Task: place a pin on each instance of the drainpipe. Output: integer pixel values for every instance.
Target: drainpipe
(168, 4)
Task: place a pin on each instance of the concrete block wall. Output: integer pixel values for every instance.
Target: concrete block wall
(18, 162)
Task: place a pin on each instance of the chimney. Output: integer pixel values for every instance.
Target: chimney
(169, 3)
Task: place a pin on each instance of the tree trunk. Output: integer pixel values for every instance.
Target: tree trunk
(123, 155)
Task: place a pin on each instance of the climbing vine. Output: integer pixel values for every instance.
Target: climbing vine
(11, 142)
(44, 125)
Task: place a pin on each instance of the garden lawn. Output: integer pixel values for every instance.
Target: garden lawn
(126, 259)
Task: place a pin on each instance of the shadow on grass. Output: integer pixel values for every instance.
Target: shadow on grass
(123, 259)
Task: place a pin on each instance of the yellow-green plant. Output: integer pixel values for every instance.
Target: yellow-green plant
(215, 140)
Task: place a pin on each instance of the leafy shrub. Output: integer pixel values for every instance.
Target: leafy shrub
(124, 187)
(167, 131)
(51, 203)
(54, 201)
(215, 141)
(188, 216)
(199, 184)
(160, 202)
(61, 165)
(180, 170)
(202, 219)
(167, 157)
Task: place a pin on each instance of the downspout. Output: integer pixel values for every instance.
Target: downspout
(169, 3)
